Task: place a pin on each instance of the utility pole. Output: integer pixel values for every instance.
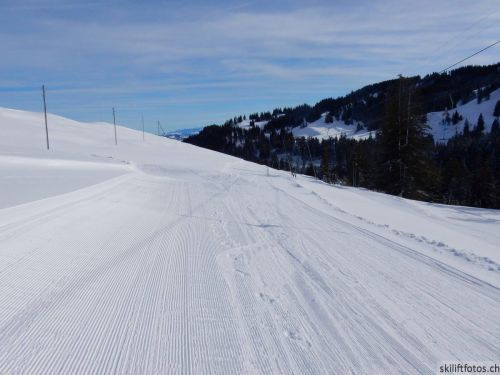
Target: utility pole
(399, 133)
(407, 136)
(114, 123)
(311, 159)
(354, 171)
(399, 113)
(163, 133)
(408, 118)
(45, 112)
(287, 156)
(142, 117)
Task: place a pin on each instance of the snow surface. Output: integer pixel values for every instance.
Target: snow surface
(156, 257)
(469, 111)
(245, 124)
(322, 130)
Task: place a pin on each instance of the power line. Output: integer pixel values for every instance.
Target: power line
(450, 43)
(468, 57)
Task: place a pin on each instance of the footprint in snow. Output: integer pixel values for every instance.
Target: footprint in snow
(266, 298)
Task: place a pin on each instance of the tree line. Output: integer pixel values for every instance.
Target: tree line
(403, 159)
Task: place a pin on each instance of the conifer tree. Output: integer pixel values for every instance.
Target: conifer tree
(405, 167)
(495, 128)
(480, 125)
(329, 118)
(466, 131)
(325, 162)
(496, 112)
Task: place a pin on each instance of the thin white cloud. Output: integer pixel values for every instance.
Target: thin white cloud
(233, 50)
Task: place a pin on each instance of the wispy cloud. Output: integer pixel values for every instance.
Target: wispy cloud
(156, 53)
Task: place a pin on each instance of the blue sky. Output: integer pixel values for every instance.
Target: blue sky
(193, 63)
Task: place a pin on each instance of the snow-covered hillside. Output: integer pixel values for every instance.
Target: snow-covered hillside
(470, 111)
(440, 129)
(245, 124)
(155, 257)
(322, 130)
(318, 129)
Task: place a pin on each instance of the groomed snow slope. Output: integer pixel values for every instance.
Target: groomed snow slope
(169, 258)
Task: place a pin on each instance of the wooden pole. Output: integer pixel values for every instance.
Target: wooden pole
(45, 112)
(114, 123)
(287, 156)
(311, 159)
(142, 128)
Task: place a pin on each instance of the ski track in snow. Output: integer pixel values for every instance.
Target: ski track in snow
(176, 268)
(198, 276)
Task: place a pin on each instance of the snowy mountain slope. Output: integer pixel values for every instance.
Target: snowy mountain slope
(245, 124)
(318, 129)
(322, 130)
(470, 111)
(440, 130)
(176, 259)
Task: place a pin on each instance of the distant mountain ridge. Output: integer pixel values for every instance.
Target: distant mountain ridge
(181, 134)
